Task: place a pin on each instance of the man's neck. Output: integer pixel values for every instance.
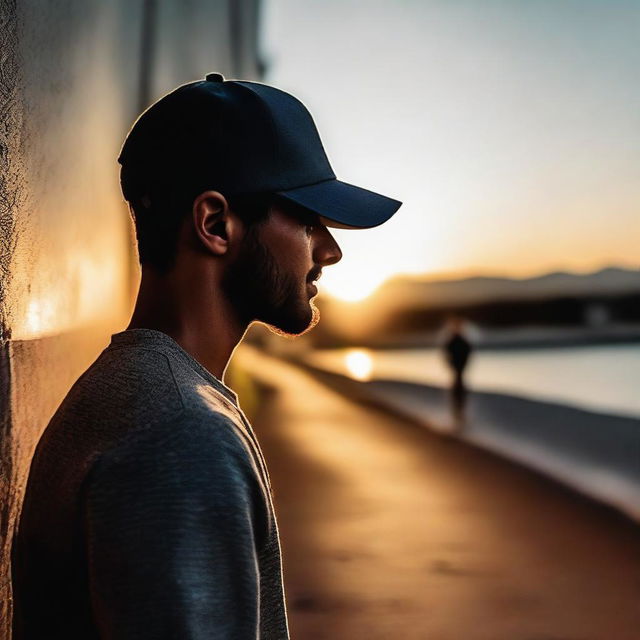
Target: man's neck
(193, 313)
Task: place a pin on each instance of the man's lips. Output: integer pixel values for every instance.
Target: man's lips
(314, 275)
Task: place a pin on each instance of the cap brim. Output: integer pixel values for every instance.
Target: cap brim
(343, 205)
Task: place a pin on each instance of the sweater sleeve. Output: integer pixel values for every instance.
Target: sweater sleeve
(171, 527)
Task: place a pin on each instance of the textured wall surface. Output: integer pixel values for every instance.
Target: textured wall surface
(73, 76)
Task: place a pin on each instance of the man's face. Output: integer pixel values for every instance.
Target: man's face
(271, 278)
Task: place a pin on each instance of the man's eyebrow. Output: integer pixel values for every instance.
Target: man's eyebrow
(312, 217)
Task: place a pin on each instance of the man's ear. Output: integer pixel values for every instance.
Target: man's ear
(212, 222)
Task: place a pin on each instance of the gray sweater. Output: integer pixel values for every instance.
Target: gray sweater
(148, 510)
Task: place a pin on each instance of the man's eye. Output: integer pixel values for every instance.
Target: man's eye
(310, 223)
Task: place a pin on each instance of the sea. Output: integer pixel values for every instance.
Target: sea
(600, 378)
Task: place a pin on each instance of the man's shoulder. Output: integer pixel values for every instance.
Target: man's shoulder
(134, 378)
(133, 388)
(152, 384)
(120, 392)
(137, 393)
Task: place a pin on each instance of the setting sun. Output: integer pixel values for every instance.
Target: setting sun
(351, 287)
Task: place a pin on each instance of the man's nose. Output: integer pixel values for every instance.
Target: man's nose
(327, 251)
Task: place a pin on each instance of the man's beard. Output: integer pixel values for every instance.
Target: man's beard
(259, 290)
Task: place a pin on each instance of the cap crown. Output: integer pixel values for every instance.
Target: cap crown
(234, 136)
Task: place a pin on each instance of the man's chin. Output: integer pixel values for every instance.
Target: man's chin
(295, 325)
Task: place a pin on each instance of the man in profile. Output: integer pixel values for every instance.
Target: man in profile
(148, 510)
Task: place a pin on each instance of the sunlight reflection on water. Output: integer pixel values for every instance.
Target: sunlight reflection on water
(359, 363)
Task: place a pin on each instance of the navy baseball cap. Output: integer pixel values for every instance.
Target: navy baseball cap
(242, 138)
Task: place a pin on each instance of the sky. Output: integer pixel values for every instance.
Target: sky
(510, 129)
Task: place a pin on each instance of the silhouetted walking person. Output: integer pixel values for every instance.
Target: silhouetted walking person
(457, 349)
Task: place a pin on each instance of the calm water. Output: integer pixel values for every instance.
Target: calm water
(600, 378)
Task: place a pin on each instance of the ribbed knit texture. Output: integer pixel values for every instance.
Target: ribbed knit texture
(148, 511)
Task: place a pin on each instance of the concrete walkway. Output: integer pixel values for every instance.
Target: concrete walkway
(391, 531)
(595, 453)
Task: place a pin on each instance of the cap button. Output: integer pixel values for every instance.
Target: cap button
(214, 77)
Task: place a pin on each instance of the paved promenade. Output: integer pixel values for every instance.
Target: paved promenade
(390, 531)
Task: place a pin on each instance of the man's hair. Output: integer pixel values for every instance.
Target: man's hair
(159, 211)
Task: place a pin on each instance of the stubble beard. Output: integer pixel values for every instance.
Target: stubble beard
(260, 291)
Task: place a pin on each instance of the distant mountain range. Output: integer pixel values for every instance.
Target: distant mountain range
(410, 292)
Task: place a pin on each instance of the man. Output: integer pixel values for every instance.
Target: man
(148, 511)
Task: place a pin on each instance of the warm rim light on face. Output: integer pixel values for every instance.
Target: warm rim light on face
(359, 364)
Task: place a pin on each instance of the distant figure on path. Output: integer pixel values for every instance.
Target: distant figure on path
(457, 350)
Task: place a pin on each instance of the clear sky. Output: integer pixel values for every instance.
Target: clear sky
(509, 128)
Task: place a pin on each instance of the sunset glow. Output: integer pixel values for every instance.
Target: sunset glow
(351, 286)
(511, 140)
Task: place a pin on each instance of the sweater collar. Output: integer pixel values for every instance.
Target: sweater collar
(159, 339)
